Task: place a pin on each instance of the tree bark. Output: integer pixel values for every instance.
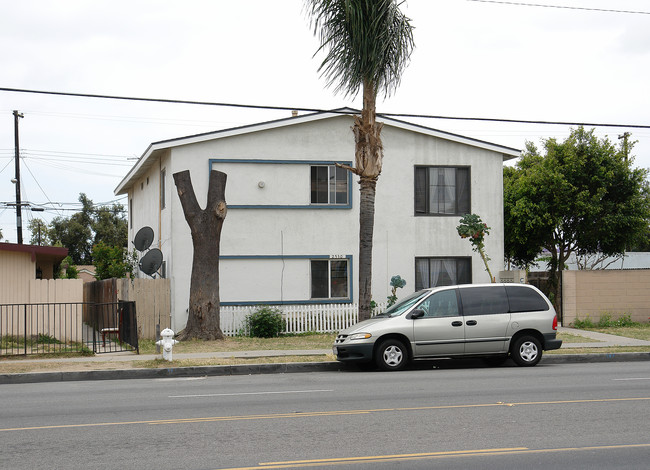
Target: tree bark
(205, 225)
(369, 155)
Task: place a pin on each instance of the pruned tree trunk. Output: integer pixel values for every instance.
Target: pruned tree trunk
(205, 226)
(369, 155)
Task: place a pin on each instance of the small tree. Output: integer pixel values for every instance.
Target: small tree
(71, 271)
(397, 283)
(112, 261)
(472, 227)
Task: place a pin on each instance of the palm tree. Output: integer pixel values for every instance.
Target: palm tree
(368, 44)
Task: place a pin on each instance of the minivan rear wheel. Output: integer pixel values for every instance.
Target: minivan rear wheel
(391, 355)
(526, 351)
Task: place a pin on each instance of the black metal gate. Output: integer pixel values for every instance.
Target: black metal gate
(115, 327)
(75, 327)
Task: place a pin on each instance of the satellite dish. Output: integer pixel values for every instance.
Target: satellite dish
(151, 262)
(143, 238)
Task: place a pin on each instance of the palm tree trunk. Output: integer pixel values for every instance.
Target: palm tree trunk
(368, 163)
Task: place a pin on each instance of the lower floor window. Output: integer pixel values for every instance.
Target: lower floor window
(329, 279)
(434, 272)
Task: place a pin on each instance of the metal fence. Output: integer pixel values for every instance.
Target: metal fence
(321, 318)
(114, 326)
(76, 327)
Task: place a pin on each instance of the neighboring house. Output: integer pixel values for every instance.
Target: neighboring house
(20, 264)
(631, 260)
(292, 228)
(86, 272)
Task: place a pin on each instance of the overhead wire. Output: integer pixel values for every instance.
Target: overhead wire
(314, 110)
(564, 7)
(36, 181)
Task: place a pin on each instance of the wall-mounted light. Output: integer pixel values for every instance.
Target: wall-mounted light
(261, 184)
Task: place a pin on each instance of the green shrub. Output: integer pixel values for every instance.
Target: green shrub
(605, 321)
(584, 323)
(265, 322)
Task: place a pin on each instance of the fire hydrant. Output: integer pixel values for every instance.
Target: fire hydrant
(167, 342)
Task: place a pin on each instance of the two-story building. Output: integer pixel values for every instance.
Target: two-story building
(292, 229)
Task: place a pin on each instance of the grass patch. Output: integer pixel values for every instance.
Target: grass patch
(639, 331)
(243, 343)
(569, 338)
(228, 361)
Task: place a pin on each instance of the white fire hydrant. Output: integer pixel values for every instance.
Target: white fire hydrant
(167, 342)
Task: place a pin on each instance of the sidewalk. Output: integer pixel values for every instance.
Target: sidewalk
(604, 340)
(114, 359)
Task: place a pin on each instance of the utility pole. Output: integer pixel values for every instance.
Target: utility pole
(626, 149)
(19, 221)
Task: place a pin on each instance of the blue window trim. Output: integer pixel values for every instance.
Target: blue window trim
(349, 258)
(288, 162)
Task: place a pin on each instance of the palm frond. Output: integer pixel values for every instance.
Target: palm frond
(363, 40)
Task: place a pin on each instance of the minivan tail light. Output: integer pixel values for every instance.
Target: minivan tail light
(555, 323)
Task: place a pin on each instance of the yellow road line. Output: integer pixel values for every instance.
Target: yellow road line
(425, 456)
(324, 413)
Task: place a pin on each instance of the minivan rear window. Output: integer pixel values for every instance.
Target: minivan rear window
(523, 299)
(484, 300)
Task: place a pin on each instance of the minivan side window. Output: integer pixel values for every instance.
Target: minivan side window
(523, 299)
(483, 300)
(441, 304)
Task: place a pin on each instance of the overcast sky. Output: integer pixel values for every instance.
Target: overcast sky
(472, 59)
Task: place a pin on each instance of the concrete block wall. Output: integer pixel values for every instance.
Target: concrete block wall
(595, 293)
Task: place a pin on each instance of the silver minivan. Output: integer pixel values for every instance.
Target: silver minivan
(492, 321)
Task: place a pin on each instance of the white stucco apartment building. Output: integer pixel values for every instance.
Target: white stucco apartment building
(291, 231)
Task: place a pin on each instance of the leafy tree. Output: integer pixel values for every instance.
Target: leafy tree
(91, 225)
(368, 44)
(472, 227)
(39, 231)
(112, 261)
(583, 196)
(71, 271)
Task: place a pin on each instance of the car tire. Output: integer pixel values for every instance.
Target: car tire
(391, 355)
(526, 351)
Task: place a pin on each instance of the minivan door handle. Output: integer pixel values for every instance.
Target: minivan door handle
(456, 323)
(471, 323)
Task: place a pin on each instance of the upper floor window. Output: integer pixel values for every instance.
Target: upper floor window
(329, 185)
(442, 190)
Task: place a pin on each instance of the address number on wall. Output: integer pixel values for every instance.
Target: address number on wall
(337, 256)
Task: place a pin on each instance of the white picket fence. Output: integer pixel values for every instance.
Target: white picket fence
(325, 318)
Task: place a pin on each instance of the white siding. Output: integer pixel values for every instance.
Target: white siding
(267, 233)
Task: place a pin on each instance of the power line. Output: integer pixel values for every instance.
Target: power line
(564, 7)
(516, 121)
(317, 110)
(36, 181)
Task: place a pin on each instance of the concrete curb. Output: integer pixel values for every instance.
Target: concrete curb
(596, 357)
(255, 369)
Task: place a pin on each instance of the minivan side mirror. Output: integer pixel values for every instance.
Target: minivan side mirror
(417, 313)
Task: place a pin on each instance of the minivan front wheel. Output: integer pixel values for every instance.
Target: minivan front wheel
(526, 351)
(391, 355)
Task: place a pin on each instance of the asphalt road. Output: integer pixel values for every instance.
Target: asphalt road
(462, 416)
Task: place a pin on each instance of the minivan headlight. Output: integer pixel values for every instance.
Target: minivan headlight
(359, 336)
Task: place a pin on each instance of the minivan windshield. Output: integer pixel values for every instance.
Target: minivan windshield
(404, 304)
